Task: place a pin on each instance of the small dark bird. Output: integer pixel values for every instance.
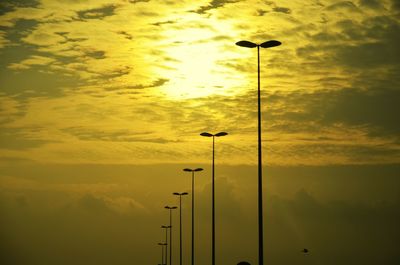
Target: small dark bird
(305, 251)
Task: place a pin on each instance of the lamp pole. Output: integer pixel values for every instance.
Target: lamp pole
(267, 44)
(206, 134)
(166, 240)
(180, 223)
(192, 170)
(162, 252)
(170, 208)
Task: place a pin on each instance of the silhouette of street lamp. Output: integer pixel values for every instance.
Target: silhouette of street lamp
(267, 44)
(180, 223)
(162, 253)
(166, 240)
(192, 170)
(220, 134)
(170, 208)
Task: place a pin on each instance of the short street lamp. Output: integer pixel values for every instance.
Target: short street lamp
(180, 223)
(166, 240)
(206, 134)
(162, 253)
(193, 170)
(170, 208)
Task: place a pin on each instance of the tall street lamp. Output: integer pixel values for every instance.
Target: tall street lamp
(192, 170)
(170, 208)
(162, 252)
(267, 44)
(206, 134)
(180, 223)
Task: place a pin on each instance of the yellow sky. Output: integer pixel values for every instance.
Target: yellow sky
(121, 81)
(102, 103)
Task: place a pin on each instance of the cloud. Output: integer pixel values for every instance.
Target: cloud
(395, 5)
(213, 5)
(84, 231)
(282, 10)
(103, 205)
(13, 141)
(373, 4)
(3, 40)
(93, 204)
(319, 226)
(317, 123)
(30, 62)
(343, 5)
(138, 1)
(333, 231)
(375, 109)
(34, 80)
(43, 38)
(379, 51)
(29, 12)
(125, 205)
(114, 69)
(9, 5)
(10, 108)
(109, 205)
(228, 206)
(156, 83)
(100, 134)
(369, 43)
(97, 13)
(164, 23)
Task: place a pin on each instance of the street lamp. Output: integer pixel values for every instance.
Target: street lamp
(180, 223)
(170, 208)
(267, 44)
(166, 240)
(162, 252)
(206, 134)
(192, 170)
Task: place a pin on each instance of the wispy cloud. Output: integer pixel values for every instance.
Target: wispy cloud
(34, 60)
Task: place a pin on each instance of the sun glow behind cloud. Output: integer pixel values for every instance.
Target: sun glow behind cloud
(197, 73)
(195, 53)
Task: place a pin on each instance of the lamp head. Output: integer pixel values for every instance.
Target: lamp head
(206, 134)
(221, 134)
(247, 44)
(180, 194)
(270, 44)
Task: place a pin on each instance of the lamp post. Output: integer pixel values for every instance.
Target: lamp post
(180, 223)
(162, 252)
(166, 240)
(192, 170)
(267, 44)
(206, 134)
(170, 208)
